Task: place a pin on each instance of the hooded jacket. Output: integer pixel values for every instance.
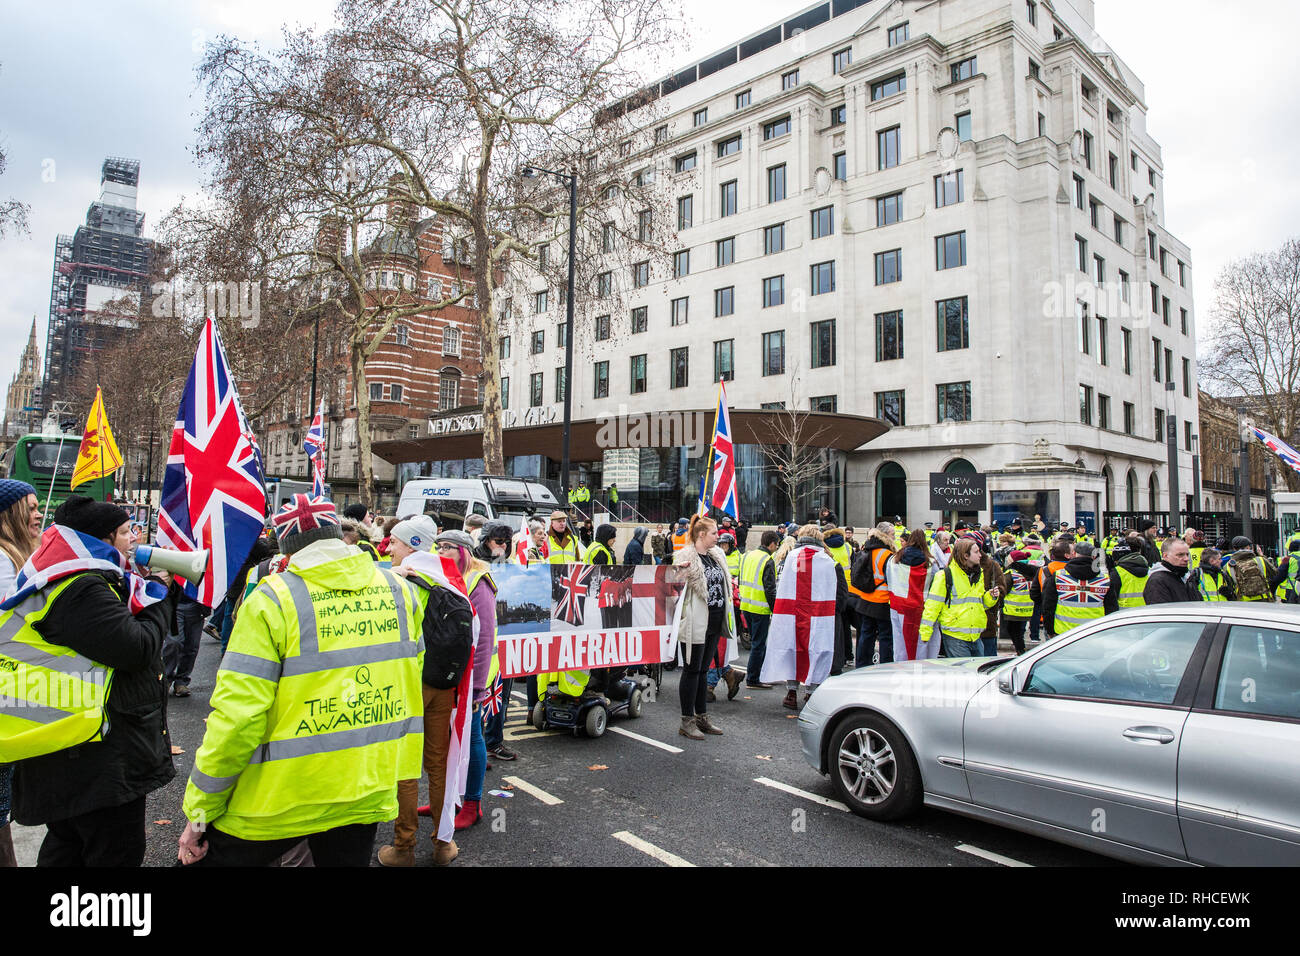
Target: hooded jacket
(605, 535)
(1134, 563)
(1082, 569)
(634, 553)
(1166, 585)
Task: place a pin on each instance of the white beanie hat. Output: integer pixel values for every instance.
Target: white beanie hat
(418, 532)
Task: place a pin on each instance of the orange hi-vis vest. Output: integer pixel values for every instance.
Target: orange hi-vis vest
(881, 593)
(679, 540)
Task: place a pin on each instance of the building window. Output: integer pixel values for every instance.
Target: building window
(644, 225)
(1129, 413)
(776, 183)
(435, 289)
(1031, 9)
(774, 353)
(604, 285)
(949, 188)
(602, 328)
(728, 199)
(823, 344)
(840, 163)
(505, 392)
(561, 335)
(1126, 350)
(889, 86)
(840, 59)
(889, 209)
(535, 390)
(1119, 231)
(679, 367)
(743, 99)
(1155, 298)
(640, 275)
(504, 351)
(1169, 365)
(729, 146)
(560, 383)
(823, 278)
(724, 368)
(1085, 404)
(963, 127)
(891, 408)
(839, 115)
(401, 334)
(543, 255)
(1164, 309)
(726, 251)
(1155, 359)
(1103, 411)
(1094, 213)
(448, 390)
(1151, 245)
(954, 402)
(681, 310)
(1123, 285)
(638, 377)
(824, 403)
(685, 211)
(700, 117)
(539, 302)
(1182, 320)
(640, 319)
(898, 34)
(1182, 273)
(889, 266)
(1160, 424)
(661, 134)
(1087, 150)
(681, 264)
(1079, 193)
(777, 127)
(1085, 328)
(1103, 340)
(1042, 124)
(376, 391)
(1099, 269)
(1035, 72)
(539, 342)
(790, 80)
(1164, 262)
(963, 70)
(889, 336)
(953, 324)
(684, 164)
(1187, 378)
(887, 145)
(724, 301)
(602, 380)
(950, 250)
(1113, 167)
(773, 239)
(773, 291)
(823, 221)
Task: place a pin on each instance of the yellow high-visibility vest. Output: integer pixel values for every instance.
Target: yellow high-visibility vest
(753, 599)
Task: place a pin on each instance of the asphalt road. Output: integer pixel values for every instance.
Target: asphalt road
(743, 799)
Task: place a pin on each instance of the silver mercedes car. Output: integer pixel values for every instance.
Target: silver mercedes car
(1168, 734)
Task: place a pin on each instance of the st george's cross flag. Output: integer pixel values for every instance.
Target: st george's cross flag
(724, 460)
(906, 603)
(1278, 447)
(314, 445)
(801, 639)
(212, 495)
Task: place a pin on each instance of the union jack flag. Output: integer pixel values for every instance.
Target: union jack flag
(1278, 447)
(724, 462)
(314, 445)
(573, 593)
(494, 697)
(1072, 590)
(212, 495)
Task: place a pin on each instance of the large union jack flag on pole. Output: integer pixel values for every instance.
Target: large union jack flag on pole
(212, 494)
(314, 445)
(724, 460)
(1278, 447)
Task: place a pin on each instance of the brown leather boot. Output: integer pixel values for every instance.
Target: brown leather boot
(734, 681)
(395, 856)
(689, 729)
(708, 726)
(444, 853)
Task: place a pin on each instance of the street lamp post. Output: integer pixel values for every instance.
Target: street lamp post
(1243, 480)
(570, 180)
(1171, 431)
(1196, 472)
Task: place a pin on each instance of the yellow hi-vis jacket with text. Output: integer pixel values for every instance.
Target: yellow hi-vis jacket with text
(51, 697)
(318, 710)
(961, 614)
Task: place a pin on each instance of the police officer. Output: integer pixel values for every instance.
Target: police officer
(318, 708)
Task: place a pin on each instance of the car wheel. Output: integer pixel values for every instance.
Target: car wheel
(873, 768)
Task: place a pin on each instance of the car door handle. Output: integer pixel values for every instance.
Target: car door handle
(1159, 734)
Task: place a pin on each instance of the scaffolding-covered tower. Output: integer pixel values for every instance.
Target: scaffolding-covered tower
(106, 259)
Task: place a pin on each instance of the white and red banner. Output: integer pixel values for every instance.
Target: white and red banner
(801, 639)
(561, 617)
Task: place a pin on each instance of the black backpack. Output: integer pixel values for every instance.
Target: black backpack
(448, 634)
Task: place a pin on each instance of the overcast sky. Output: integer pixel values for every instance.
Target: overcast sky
(80, 81)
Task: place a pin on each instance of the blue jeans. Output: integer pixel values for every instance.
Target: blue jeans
(871, 630)
(477, 758)
(1034, 621)
(494, 725)
(956, 647)
(988, 646)
(758, 628)
(181, 650)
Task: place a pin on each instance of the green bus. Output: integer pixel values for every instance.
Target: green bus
(33, 459)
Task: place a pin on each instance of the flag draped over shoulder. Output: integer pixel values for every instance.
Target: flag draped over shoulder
(98, 455)
(906, 602)
(63, 552)
(212, 495)
(801, 639)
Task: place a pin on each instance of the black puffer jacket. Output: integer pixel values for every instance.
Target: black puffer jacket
(1165, 585)
(134, 756)
(863, 577)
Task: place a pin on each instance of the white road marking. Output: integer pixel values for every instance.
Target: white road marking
(815, 798)
(523, 697)
(663, 856)
(645, 740)
(532, 791)
(989, 855)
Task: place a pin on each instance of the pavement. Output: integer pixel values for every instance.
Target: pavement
(644, 795)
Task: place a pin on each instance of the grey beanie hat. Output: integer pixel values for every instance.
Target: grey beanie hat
(417, 533)
(456, 537)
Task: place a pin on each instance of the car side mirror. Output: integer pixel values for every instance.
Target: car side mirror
(1012, 679)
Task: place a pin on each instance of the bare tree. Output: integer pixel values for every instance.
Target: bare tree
(797, 451)
(13, 214)
(1254, 342)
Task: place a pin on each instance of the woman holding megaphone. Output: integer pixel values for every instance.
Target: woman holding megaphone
(84, 617)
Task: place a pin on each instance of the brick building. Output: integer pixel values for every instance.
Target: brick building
(1220, 448)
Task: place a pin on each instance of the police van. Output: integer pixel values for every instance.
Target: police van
(450, 500)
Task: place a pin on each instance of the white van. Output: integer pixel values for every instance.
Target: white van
(449, 500)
